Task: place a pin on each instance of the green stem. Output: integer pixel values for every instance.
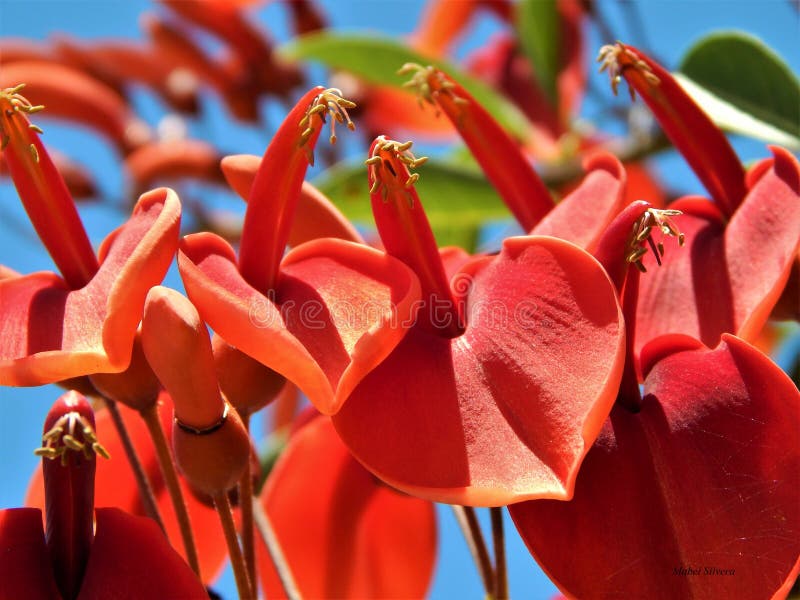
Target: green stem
(471, 529)
(150, 416)
(142, 481)
(275, 552)
(243, 585)
(246, 506)
(501, 579)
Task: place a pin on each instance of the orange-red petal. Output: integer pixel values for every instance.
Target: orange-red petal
(508, 410)
(344, 533)
(706, 477)
(335, 314)
(49, 333)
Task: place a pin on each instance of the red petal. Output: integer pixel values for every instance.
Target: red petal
(130, 558)
(475, 419)
(498, 154)
(344, 533)
(368, 293)
(49, 333)
(25, 568)
(316, 216)
(169, 161)
(727, 279)
(702, 144)
(706, 476)
(582, 217)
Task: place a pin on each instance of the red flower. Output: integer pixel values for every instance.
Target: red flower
(697, 495)
(52, 328)
(501, 385)
(125, 557)
(741, 247)
(343, 532)
(260, 304)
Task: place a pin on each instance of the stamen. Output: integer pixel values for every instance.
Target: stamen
(328, 102)
(72, 432)
(616, 58)
(429, 84)
(641, 234)
(385, 172)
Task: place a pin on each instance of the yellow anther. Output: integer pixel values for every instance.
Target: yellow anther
(327, 102)
(34, 152)
(641, 234)
(71, 432)
(616, 59)
(388, 161)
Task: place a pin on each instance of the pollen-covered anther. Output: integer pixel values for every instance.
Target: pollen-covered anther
(389, 167)
(71, 432)
(11, 102)
(616, 59)
(429, 83)
(328, 102)
(642, 231)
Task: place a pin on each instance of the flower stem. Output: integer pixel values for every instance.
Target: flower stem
(142, 481)
(243, 585)
(275, 551)
(468, 522)
(246, 506)
(150, 416)
(501, 581)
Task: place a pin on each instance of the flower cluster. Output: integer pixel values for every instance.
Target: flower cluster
(602, 374)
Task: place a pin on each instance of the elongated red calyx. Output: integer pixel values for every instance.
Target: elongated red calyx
(276, 189)
(406, 232)
(43, 191)
(498, 154)
(702, 144)
(69, 446)
(211, 444)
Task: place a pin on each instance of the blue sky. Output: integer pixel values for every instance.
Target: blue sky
(669, 27)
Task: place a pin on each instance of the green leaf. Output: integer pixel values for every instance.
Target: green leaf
(744, 86)
(377, 59)
(458, 200)
(538, 29)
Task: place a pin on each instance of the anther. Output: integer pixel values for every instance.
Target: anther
(641, 234)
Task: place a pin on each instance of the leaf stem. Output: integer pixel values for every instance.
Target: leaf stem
(142, 481)
(501, 580)
(468, 522)
(275, 551)
(243, 585)
(150, 416)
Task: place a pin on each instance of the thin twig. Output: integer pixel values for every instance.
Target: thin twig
(246, 506)
(275, 551)
(142, 481)
(150, 416)
(498, 538)
(243, 585)
(468, 522)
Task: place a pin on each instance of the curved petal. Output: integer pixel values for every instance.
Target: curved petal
(131, 559)
(25, 569)
(582, 217)
(344, 533)
(49, 333)
(336, 313)
(705, 478)
(728, 278)
(506, 411)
